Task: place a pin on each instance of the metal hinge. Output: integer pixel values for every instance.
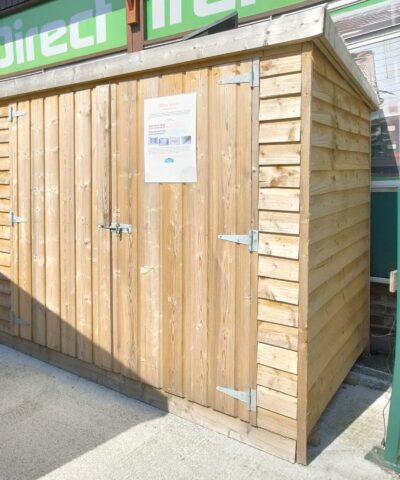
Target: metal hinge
(14, 114)
(16, 320)
(249, 397)
(252, 77)
(16, 219)
(251, 239)
(118, 228)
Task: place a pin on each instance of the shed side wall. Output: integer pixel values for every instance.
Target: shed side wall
(338, 318)
(279, 201)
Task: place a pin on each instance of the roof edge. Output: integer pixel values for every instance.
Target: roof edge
(336, 46)
(291, 28)
(295, 27)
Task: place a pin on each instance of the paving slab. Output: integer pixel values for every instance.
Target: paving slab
(57, 426)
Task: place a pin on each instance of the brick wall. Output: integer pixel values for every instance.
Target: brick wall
(383, 317)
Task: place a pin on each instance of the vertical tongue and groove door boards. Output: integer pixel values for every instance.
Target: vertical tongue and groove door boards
(165, 302)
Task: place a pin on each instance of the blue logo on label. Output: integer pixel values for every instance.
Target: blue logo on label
(169, 160)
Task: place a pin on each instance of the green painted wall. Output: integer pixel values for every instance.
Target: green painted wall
(171, 17)
(383, 233)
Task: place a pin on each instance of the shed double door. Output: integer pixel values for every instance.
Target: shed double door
(170, 305)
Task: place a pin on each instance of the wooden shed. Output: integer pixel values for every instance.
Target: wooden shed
(250, 340)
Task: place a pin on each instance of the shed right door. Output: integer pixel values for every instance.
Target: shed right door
(183, 300)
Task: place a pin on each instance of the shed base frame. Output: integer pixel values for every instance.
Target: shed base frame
(206, 417)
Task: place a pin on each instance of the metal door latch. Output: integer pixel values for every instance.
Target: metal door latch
(251, 239)
(118, 228)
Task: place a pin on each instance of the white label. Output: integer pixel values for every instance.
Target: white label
(170, 139)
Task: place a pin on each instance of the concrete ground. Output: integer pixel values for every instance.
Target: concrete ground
(54, 425)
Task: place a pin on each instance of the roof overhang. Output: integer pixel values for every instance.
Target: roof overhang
(298, 27)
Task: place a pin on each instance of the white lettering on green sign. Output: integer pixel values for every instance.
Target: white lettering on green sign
(168, 17)
(59, 31)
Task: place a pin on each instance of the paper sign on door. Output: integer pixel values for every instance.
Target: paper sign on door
(170, 139)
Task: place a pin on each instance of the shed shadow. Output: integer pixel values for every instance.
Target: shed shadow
(48, 420)
(348, 405)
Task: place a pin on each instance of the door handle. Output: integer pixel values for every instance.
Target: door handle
(118, 228)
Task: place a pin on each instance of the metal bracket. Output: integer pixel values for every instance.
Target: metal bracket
(252, 77)
(251, 239)
(16, 219)
(16, 320)
(118, 228)
(249, 397)
(14, 114)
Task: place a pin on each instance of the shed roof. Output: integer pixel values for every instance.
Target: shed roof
(311, 24)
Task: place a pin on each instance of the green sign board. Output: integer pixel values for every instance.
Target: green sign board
(171, 17)
(60, 31)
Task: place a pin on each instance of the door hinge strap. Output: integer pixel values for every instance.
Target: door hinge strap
(252, 77)
(249, 397)
(15, 219)
(16, 320)
(251, 239)
(14, 114)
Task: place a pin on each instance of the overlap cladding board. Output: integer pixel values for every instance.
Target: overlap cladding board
(279, 225)
(5, 209)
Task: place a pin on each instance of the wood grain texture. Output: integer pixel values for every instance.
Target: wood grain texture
(280, 85)
(279, 222)
(83, 225)
(14, 234)
(7, 136)
(278, 358)
(277, 402)
(339, 234)
(172, 260)
(67, 225)
(284, 131)
(223, 174)
(149, 257)
(274, 422)
(24, 229)
(101, 238)
(52, 222)
(278, 380)
(280, 108)
(285, 246)
(278, 335)
(279, 268)
(279, 199)
(280, 64)
(38, 224)
(126, 351)
(196, 252)
(277, 312)
(304, 254)
(280, 154)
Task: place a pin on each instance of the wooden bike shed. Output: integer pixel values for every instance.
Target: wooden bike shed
(170, 314)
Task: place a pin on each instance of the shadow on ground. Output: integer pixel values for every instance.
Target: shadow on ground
(348, 405)
(50, 417)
